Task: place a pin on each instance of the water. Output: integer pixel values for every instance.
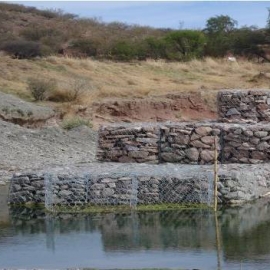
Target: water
(164, 239)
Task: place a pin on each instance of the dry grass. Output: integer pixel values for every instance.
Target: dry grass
(124, 80)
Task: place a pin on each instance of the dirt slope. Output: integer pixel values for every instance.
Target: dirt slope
(170, 107)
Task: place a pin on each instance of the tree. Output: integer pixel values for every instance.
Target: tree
(268, 19)
(185, 44)
(247, 41)
(220, 24)
(219, 32)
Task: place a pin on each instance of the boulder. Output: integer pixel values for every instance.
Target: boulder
(204, 131)
(192, 154)
(199, 144)
(207, 155)
(171, 157)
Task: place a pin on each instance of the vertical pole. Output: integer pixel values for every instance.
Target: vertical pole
(218, 242)
(215, 174)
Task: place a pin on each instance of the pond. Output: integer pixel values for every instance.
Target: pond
(238, 238)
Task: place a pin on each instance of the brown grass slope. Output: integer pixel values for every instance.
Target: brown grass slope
(107, 80)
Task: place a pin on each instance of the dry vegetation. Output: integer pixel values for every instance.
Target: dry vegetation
(106, 79)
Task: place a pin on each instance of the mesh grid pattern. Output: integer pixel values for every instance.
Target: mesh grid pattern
(131, 190)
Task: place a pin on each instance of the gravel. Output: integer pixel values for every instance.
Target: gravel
(22, 148)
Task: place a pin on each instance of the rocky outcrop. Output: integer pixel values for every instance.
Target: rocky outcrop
(17, 111)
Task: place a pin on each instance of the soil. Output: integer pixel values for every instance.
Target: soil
(171, 107)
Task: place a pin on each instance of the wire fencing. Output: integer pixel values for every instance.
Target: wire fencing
(131, 190)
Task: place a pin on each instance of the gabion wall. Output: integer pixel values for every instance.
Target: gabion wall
(129, 143)
(244, 105)
(27, 188)
(186, 143)
(148, 184)
(114, 189)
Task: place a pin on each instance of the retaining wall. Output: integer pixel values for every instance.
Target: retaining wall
(244, 105)
(111, 190)
(147, 184)
(132, 143)
(185, 143)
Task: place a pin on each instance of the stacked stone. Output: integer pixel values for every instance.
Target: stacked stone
(68, 191)
(128, 144)
(189, 143)
(244, 105)
(149, 189)
(246, 144)
(27, 188)
(111, 191)
(193, 189)
(237, 183)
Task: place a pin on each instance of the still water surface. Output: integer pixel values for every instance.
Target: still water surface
(170, 239)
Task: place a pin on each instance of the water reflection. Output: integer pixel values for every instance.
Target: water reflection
(244, 234)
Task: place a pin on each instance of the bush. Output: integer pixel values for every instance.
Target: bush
(39, 88)
(123, 51)
(22, 49)
(75, 122)
(74, 91)
(85, 46)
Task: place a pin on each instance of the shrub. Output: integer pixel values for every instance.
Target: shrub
(123, 51)
(85, 46)
(39, 88)
(74, 91)
(22, 49)
(75, 122)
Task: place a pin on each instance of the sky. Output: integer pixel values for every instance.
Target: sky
(163, 14)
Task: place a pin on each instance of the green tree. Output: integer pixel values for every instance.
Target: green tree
(268, 20)
(185, 44)
(246, 41)
(219, 32)
(220, 24)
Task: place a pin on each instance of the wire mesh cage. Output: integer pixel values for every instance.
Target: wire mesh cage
(86, 193)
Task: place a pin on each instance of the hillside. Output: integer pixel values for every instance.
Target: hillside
(104, 82)
(26, 32)
(101, 90)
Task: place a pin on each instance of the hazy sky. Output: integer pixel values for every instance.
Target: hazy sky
(192, 14)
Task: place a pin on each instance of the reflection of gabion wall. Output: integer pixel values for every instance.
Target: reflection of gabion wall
(244, 105)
